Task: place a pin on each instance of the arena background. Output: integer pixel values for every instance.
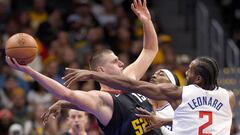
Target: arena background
(69, 31)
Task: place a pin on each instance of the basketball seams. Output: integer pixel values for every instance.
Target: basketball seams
(21, 47)
(26, 57)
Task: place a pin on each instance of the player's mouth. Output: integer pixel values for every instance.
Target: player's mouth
(152, 80)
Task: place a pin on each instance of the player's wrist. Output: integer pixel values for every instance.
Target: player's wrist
(146, 21)
(27, 70)
(92, 75)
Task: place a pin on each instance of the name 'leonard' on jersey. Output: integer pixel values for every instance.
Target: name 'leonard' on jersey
(203, 112)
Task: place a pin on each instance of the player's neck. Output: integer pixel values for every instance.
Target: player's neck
(110, 90)
(208, 87)
(77, 132)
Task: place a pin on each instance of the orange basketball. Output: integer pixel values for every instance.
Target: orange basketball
(22, 47)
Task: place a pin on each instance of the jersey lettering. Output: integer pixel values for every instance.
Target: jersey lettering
(139, 125)
(140, 97)
(209, 101)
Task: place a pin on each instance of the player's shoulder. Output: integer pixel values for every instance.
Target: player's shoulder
(231, 95)
(101, 95)
(228, 91)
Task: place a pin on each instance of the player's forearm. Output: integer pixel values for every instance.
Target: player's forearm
(123, 83)
(150, 37)
(67, 105)
(128, 84)
(49, 84)
(115, 81)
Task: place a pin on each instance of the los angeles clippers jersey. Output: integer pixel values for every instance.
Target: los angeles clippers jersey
(166, 112)
(124, 120)
(203, 112)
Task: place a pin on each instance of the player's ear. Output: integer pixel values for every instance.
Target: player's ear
(198, 79)
(99, 69)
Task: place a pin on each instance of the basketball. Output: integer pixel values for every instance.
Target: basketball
(22, 47)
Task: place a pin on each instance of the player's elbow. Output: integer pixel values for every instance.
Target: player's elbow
(151, 52)
(67, 94)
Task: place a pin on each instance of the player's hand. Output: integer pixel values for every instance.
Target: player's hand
(156, 122)
(53, 111)
(12, 62)
(141, 10)
(74, 75)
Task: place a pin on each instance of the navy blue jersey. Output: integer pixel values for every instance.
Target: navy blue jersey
(124, 120)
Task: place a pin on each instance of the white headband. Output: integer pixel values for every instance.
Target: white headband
(169, 75)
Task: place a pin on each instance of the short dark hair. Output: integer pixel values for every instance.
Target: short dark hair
(97, 58)
(208, 69)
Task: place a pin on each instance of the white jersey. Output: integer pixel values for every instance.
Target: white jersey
(166, 112)
(203, 112)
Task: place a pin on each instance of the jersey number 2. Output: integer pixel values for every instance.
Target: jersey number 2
(205, 125)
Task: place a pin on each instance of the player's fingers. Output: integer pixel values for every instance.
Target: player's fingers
(135, 2)
(133, 8)
(69, 81)
(147, 129)
(15, 62)
(10, 62)
(140, 2)
(68, 76)
(143, 116)
(43, 115)
(143, 111)
(70, 70)
(44, 118)
(145, 3)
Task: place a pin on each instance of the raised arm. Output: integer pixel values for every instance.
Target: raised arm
(150, 43)
(95, 102)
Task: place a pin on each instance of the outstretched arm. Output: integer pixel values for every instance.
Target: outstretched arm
(150, 43)
(95, 102)
(165, 91)
(153, 91)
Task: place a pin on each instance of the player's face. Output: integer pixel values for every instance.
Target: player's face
(159, 77)
(190, 74)
(77, 119)
(112, 65)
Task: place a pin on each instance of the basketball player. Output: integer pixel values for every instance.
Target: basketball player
(162, 108)
(201, 107)
(77, 121)
(115, 112)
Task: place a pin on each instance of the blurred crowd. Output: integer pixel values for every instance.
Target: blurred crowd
(230, 10)
(68, 32)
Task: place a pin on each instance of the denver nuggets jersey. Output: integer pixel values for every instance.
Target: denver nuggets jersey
(203, 112)
(124, 120)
